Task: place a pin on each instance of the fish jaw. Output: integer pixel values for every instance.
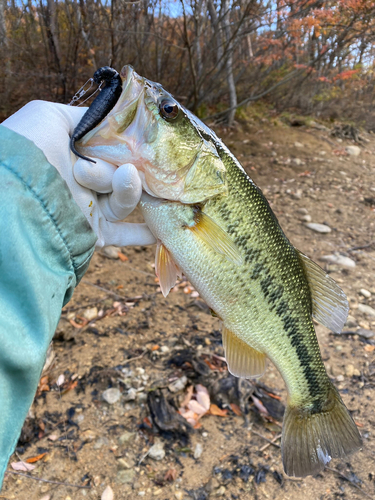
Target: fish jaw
(179, 160)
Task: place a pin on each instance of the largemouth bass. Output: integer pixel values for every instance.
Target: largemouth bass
(214, 224)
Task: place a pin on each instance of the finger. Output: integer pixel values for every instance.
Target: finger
(95, 176)
(122, 234)
(127, 191)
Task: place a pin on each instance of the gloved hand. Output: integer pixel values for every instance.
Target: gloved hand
(105, 194)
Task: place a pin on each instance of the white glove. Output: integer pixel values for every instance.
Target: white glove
(105, 194)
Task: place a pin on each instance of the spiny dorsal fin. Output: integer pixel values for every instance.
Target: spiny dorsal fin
(329, 303)
(165, 268)
(243, 361)
(215, 237)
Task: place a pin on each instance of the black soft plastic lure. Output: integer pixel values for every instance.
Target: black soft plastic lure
(100, 107)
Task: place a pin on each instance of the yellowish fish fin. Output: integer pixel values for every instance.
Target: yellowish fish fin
(215, 237)
(165, 268)
(310, 439)
(243, 361)
(329, 303)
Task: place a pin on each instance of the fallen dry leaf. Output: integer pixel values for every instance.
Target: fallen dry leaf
(107, 494)
(22, 466)
(122, 257)
(170, 475)
(218, 412)
(236, 409)
(32, 460)
(188, 395)
(369, 348)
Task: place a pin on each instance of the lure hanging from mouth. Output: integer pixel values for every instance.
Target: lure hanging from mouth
(100, 107)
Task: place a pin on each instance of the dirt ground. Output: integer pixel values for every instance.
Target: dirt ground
(119, 332)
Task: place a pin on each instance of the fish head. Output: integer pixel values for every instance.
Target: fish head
(175, 153)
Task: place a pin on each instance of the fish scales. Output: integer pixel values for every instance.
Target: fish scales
(214, 224)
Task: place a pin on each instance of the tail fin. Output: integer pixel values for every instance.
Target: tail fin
(310, 440)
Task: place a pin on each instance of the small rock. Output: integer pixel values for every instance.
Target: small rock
(131, 395)
(297, 195)
(318, 228)
(349, 370)
(108, 494)
(340, 378)
(111, 252)
(353, 150)
(179, 495)
(111, 396)
(178, 385)
(219, 492)
(298, 144)
(366, 309)
(125, 476)
(164, 349)
(365, 293)
(302, 211)
(101, 442)
(88, 436)
(356, 373)
(351, 322)
(306, 218)
(198, 451)
(91, 313)
(340, 260)
(123, 464)
(366, 334)
(297, 162)
(126, 438)
(157, 451)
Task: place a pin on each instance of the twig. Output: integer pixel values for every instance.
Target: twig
(116, 295)
(136, 357)
(360, 247)
(270, 441)
(47, 480)
(349, 481)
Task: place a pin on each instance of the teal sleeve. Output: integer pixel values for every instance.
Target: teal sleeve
(46, 244)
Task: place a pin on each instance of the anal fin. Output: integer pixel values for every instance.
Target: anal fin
(215, 237)
(243, 361)
(329, 303)
(165, 268)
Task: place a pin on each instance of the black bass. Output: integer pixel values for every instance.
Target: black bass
(214, 224)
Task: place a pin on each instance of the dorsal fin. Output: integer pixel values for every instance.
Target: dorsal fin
(165, 268)
(329, 303)
(242, 360)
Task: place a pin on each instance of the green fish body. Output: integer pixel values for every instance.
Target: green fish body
(214, 224)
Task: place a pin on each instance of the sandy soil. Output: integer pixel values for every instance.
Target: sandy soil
(145, 342)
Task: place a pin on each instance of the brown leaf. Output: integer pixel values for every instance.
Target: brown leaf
(236, 409)
(369, 348)
(122, 257)
(32, 460)
(215, 410)
(170, 475)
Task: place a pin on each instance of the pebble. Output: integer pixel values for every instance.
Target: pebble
(110, 251)
(297, 195)
(302, 211)
(157, 451)
(91, 313)
(365, 293)
(340, 378)
(351, 322)
(219, 492)
(131, 395)
(198, 451)
(111, 396)
(126, 438)
(306, 218)
(349, 370)
(164, 349)
(101, 442)
(366, 334)
(340, 260)
(107, 494)
(88, 436)
(318, 228)
(356, 372)
(123, 464)
(178, 385)
(298, 144)
(297, 162)
(366, 309)
(125, 476)
(179, 495)
(353, 150)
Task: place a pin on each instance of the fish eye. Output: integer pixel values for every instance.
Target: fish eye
(168, 109)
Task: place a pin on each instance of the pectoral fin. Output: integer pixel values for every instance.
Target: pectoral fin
(165, 268)
(243, 361)
(215, 237)
(329, 303)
